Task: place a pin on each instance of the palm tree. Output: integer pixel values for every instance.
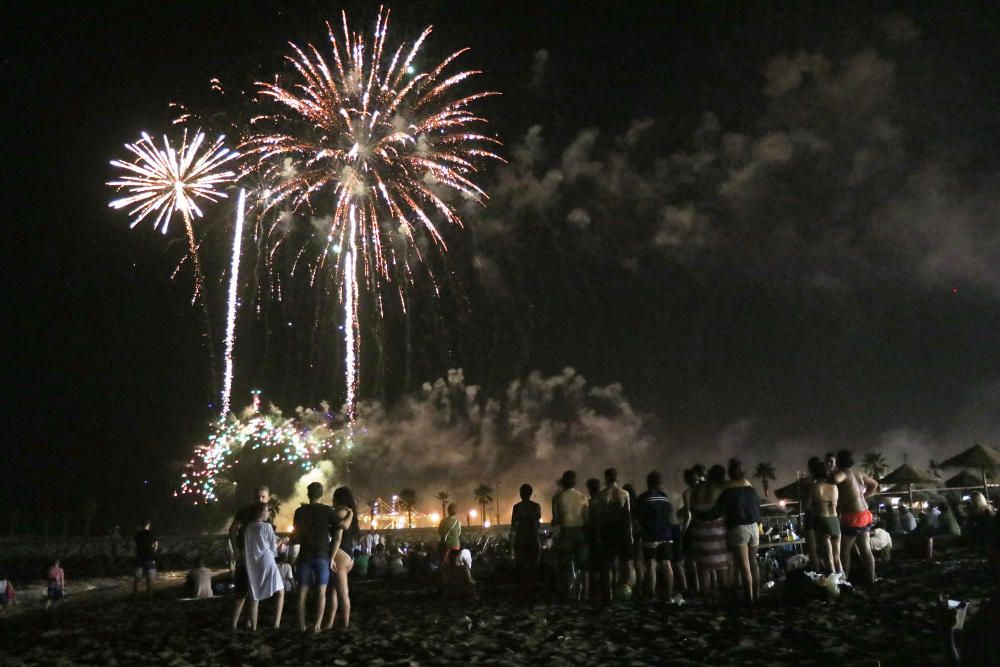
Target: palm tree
(874, 464)
(484, 496)
(407, 499)
(273, 507)
(443, 496)
(765, 473)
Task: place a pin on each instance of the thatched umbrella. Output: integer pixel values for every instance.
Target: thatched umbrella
(794, 491)
(962, 479)
(906, 475)
(976, 456)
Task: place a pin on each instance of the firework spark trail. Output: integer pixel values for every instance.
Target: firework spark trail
(350, 322)
(234, 271)
(380, 145)
(162, 181)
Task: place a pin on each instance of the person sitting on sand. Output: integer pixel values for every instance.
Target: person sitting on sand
(199, 580)
(823, 496)
(378, 564)
(855, 517)
(260, 550)
(361, 563)
(146, 546)
(907, 522)
(57, 585)
(977, 521)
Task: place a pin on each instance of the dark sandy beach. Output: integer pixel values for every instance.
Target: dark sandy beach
(404, 623)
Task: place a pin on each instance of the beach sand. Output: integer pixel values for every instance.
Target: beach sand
(896, 622)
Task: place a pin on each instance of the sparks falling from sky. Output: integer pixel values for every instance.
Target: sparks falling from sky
(381, 146)
(163, 180)
(234, 272)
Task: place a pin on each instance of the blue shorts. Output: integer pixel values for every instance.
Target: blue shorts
(145, 568)
(313, 572)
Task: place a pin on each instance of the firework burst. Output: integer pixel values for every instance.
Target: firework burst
(162, 181)
(378, 143)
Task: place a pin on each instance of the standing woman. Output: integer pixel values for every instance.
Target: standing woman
(346, 535)
(740, 505)
(260, 550)
(823, 496)
(708, 535)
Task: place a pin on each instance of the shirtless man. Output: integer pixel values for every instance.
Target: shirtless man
(617, 529)
(855, 517)
(570, 511)
(823, 496)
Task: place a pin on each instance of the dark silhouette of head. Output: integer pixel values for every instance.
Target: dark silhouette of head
(526, 491)
(845, 459)
(314, 491)
(654, 480)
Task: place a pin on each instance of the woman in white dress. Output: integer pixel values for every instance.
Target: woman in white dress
(260, 550)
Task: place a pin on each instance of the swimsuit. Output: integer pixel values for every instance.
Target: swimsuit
(828, 525)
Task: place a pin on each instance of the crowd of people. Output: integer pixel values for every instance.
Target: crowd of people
(611, 542)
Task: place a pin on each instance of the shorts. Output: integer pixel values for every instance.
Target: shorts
(660, 551)
(855, 523)
(827, 525)
(677, 548)
(145, 568)
(617, 542)
(313, 572)
(572, 547)
(746, 535)
(56, 593)
(241, 581)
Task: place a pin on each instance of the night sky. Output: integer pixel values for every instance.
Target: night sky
(776, 228)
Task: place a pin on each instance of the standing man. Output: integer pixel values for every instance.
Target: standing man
(524, 522)
(657, 518)
(450, 533)
(855, 517)
(617, 531)
(146, 546)
(312, 529)
(237, 529)
(569, 515)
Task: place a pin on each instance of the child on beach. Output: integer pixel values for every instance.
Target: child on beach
(57, 585)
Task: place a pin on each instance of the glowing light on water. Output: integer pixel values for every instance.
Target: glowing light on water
(234, 272)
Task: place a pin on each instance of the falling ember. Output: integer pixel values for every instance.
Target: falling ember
(375, 140)
(234, 271)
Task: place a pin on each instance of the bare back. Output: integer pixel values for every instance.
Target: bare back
(823, 498)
